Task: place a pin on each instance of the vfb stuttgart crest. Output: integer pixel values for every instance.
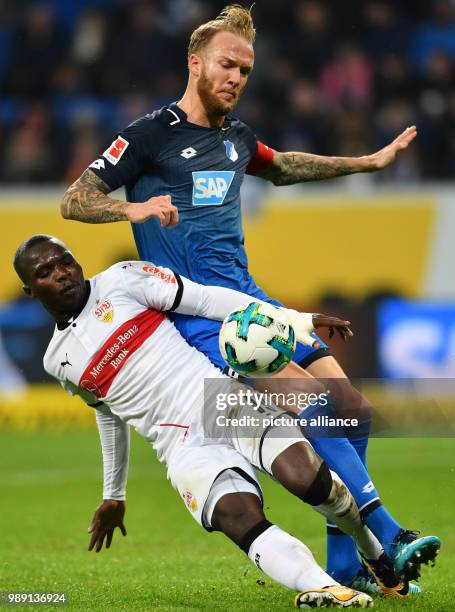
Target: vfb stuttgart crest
(190, 500)
(104, 311)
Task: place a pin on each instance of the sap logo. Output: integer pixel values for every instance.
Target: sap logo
(210, 188)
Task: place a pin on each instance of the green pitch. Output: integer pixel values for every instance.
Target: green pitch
(51, 484)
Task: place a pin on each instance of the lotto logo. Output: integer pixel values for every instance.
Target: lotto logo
(188, 153)
(210, 188)
(116, 150)
(368, 488)
(98, 164)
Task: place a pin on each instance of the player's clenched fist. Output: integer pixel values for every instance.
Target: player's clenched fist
(159, 206)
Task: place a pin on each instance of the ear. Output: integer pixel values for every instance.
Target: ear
(27, 291)
(194, 65)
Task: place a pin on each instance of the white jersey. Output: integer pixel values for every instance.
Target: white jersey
(123, 352)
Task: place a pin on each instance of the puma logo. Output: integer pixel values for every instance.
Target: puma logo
(65, 363)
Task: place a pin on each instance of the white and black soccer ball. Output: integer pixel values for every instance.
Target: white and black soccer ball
(257, 340)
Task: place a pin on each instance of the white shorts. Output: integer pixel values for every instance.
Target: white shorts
(203, 469)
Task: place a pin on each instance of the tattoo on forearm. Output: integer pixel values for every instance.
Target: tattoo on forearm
(290, 168)
(87, 200)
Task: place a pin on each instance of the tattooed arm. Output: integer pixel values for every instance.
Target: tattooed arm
(87, 200)
(290, 168)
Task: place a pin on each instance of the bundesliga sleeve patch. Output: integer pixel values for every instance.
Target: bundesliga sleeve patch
(116, 150)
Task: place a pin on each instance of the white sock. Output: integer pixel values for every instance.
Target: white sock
(341, 509)
(288, 561)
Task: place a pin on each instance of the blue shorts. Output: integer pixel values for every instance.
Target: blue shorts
(203, 334)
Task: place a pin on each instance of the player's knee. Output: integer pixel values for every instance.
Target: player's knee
(237, 513)
(315, 488)
(358, 405)
(297, 468)
(320, 489)
(349, 402)
(299, 388)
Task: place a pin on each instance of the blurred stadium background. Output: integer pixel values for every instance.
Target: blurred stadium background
(330, 78)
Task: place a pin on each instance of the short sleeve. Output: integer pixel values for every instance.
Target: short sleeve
(260, 154)
(262, 158)
(249, 138)
(130, 152)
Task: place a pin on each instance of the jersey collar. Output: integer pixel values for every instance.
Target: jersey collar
(183, 117)
(64, 324)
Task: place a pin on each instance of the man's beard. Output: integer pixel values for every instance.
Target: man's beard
(213, 105)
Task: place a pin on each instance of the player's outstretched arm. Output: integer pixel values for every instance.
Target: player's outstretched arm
(293, 167)
(217, 302)
(87, 200)
(107, 517)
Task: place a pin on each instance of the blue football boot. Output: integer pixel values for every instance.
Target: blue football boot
(408, 552)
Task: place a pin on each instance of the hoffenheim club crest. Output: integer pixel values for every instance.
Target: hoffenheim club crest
(231, 153)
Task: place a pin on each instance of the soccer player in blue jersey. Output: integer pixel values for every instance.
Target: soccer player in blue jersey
(182, 167)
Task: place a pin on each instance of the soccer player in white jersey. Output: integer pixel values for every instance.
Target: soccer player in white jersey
(115, 347)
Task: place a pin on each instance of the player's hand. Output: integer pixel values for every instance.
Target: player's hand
(334, 324)
(107, 517)
(381, 159)
(304, 324)
(158, 206)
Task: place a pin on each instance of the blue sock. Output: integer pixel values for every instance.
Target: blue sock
(343, 562)
(360, 444)
(383, 525)
(379, 520)
(341, 457)
(342, 559)
(358, 437)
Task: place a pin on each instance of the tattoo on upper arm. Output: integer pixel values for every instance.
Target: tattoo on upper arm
(290, 168)
(87, 200)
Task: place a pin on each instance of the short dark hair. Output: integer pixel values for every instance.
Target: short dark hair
(18, 261)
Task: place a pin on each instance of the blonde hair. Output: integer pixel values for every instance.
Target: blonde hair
(233, 18)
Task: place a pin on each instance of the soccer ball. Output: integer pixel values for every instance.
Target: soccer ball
(257, 340)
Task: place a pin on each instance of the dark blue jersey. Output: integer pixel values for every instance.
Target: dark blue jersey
(202, 170)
